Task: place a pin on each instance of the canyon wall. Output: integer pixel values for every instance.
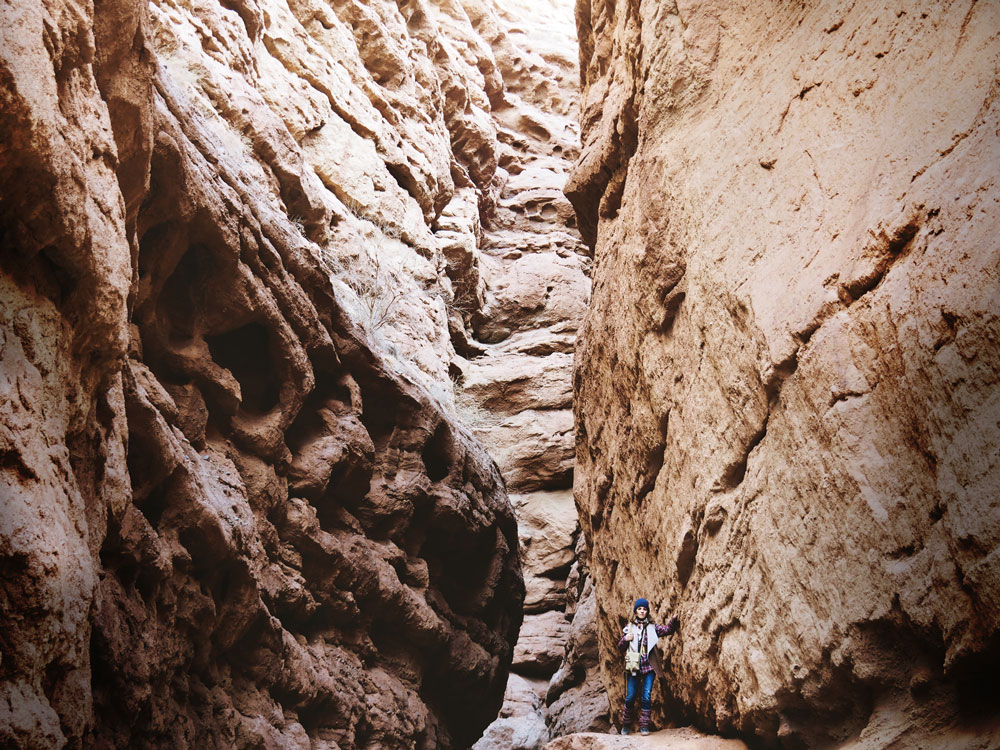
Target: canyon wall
(528, 285)
(787, 395)
(248, 250)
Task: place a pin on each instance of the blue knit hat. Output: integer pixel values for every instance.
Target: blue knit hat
(640, 602)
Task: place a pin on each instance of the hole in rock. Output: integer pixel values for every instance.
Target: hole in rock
(247, 354)
(348, 487)
(378, 414)
(511, 162)
(152, 244)
(55, 673)
(11, 459)
(459, 565)
(438, 453)
(181, 302)
(308, 424)
(535, 129)
(155, 504)
(116, 560)
(651, 470)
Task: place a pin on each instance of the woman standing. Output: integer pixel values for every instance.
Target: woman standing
(638, 640)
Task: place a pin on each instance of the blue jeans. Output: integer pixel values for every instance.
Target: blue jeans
(632, 684)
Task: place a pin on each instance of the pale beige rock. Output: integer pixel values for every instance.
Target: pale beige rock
(533, 448)
(540, 644)
(787, 401)
(511, 383)
(515, 733)
(521, 725)
(684, 738)
(520, 293)
(547, 526)
(523, 696)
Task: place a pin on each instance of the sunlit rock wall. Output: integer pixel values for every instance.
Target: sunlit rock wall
(788, 407)
(522, 293)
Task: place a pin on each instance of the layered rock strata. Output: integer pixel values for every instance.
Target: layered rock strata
(787, 395)
(521, 292)
(237, 507)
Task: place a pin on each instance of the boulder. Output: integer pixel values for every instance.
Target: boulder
(540, 644)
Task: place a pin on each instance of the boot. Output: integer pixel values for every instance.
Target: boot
(626, 719)
(644, 721)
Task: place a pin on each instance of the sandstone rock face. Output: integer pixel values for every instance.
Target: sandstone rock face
(237, 508)
(521, 725)
(520, 294)
(787, 398)
(669, 739)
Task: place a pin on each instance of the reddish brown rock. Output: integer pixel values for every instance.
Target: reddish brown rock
(228, 519)
(786, 385)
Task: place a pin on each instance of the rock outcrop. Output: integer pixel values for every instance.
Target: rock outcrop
(237, 507)
(787, 396)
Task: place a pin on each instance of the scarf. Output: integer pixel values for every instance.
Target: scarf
(644, 638)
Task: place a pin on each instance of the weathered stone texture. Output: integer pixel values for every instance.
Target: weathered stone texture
(520, 295)
(787, 396)
(233, 515)
(668, 739)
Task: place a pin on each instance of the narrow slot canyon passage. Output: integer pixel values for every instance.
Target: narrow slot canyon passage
(363, 362)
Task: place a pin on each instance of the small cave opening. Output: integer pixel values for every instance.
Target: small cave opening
(155, 504)
(461, 568)
(246, 353)
(379, 412)
(61, 281)
(438, 453)
(181, 302)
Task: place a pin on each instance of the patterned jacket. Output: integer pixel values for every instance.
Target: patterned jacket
(661, 630)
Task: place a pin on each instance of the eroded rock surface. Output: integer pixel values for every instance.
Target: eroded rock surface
(787, 395)
(685, 738)
(520, 295)
(237, 509)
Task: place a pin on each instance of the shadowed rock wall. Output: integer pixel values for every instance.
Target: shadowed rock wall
(787, 400)
(232, 513)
